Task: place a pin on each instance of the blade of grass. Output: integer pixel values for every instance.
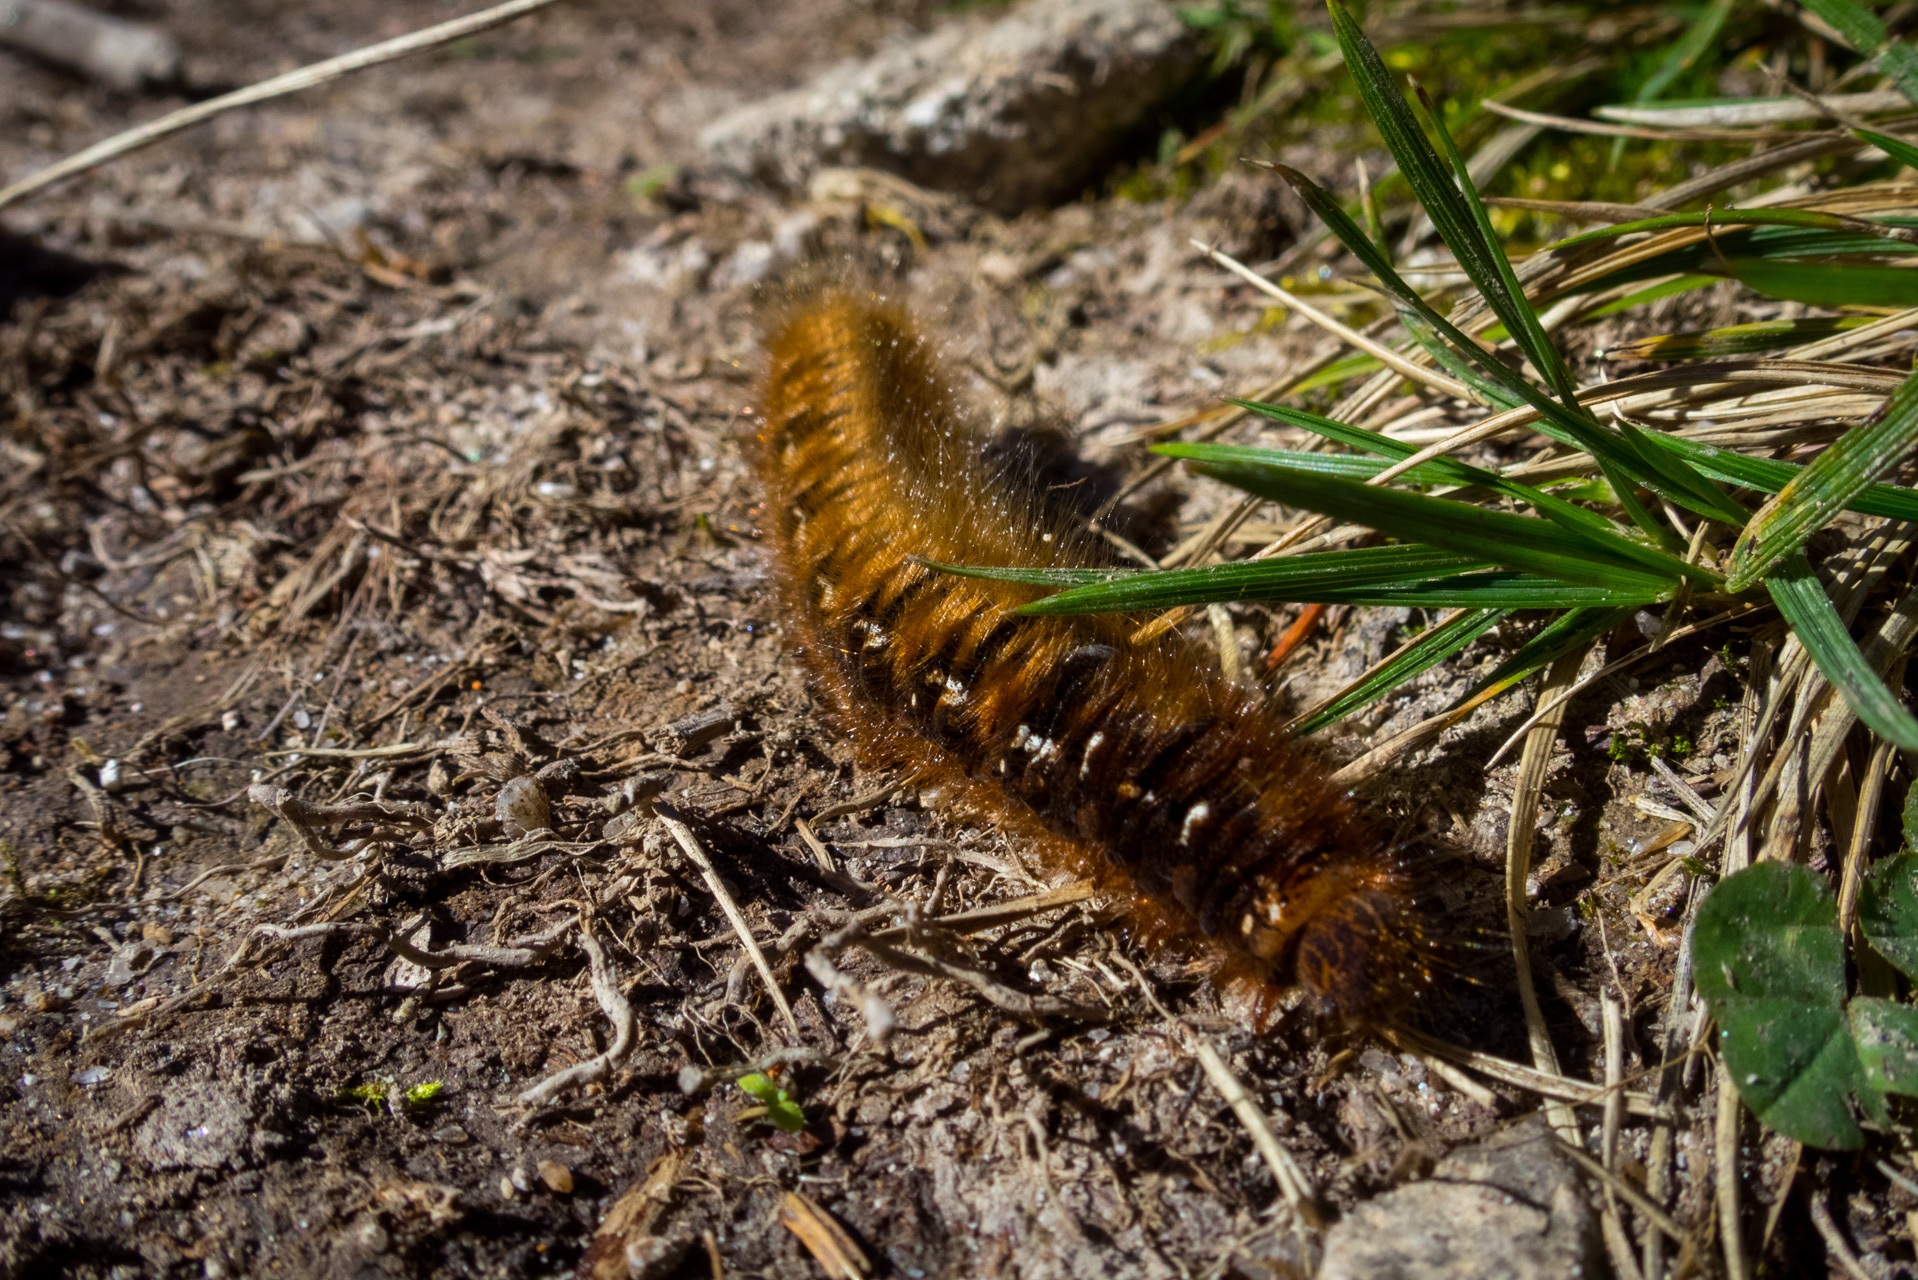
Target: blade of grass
(1524, 543)
(1825, 284)
(1106, 589)
(1801, 597)
(1434, 646)
(1825, 487)
(1460, 218)
(1897, 148)
(1735, 340)
(1713, 218)
(1494, 589)
(1602, 538)
(1569, 632)
(1391, 575)
(1868, 34)
(1769, 476)
(1684, 51)
(1556, 422)
(1664, 289)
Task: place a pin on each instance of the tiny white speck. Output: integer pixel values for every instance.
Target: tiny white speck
(1085, 761)
(1197, 814)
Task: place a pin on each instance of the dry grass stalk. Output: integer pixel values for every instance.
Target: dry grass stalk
(306, 77)
(696, 854)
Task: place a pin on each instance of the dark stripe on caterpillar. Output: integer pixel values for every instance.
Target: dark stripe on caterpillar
(1138, 763)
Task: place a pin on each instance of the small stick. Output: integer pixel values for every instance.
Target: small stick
(979, 919)
(1626, 1191)
(529, 951)
(1617, 1243)
(1533, 762)
(1725, 1170)
(304, 78)
(1455, 1079)
(1293, 1184)
(618, 1010)
(1835, 1239)
(1294, 635)
(1543, 1083)
(689, 844)
(1391, 359)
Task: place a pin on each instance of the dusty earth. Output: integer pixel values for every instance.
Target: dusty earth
(381, 445)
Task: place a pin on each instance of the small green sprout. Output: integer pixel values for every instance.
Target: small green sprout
(425, 1095)
(780, 1107)
(650, 181)
(417, 1100)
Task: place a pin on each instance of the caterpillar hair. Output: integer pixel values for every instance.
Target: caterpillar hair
(1138, 764)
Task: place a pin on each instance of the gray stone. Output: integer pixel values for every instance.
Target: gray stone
(1013, 113)
(196, 1126)
(1512, 1207)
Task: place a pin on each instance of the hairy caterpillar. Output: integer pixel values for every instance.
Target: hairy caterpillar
(1139, 764)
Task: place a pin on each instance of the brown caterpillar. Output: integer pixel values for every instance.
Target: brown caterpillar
(1138, 764)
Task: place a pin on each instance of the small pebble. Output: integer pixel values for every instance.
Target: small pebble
(452, 1135)
(110, 780)
(557, 1177)
(231, 721)
(91, 1076)
(521, 1180)
(505, 1187)
(522, 807)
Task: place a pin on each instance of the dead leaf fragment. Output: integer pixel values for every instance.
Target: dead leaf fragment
(823, 1237)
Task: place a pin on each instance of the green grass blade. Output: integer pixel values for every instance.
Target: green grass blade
(1451, 210)
(1263, 580)
(1430, 649)
(1866, 33)
(1341, 370)
(1897, 148)
(1735, 339)
(1652, 293)
(1344, 465)
(1522, 323)
(1744, 218)
(1825, 487)
(1826, 284)
(1679, 58)
(1598, 533)
(1038, 576)
(1094, 591)
(1862, 28)
(1525, 543)
(1578, 430)
(1769, 476)
(1676, 472)
(1771, 244)
(1451, 361)
(1801, 597)
(1569, 632)
(1686, 50)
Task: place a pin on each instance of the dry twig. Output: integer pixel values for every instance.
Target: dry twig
(306, 77)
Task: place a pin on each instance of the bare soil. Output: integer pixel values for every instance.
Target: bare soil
(395, 413)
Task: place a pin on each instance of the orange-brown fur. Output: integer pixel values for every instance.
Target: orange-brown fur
(1140, 764)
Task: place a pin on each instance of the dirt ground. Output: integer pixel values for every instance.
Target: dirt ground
(380, 445)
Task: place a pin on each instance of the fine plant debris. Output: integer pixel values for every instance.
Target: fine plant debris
(421, 854)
